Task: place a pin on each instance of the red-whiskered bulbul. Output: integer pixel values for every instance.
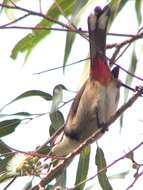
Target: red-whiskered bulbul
(98, 98)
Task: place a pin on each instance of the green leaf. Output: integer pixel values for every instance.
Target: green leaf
(101, 169)
(138, 4)
(30, 93)
(129, 79)
(21, 114)
(26, 44)
(8, 126)
(83, 166)
(57, 120)
(75, 18)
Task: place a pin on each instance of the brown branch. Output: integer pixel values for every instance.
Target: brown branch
(91, 138)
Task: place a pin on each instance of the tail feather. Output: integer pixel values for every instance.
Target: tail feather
(97, 26)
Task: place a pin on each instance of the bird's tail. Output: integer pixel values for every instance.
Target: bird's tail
(97, 26)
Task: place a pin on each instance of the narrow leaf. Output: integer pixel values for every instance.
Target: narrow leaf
(30, 93)
(83, 166)
(75, 18)
(21, 114)
(8, 126)
(138, 4)
(27, 44)
(101, 168)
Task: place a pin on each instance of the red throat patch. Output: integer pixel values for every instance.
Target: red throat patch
(100, 71)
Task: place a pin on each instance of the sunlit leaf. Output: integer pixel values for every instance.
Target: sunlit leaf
(101, 169)
(8, 126)
(26, 44)
(30, 93)
(75, 18)
(57, 120)
(83, 166)
(138, 4)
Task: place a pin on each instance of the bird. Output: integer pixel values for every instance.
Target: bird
(98, 98)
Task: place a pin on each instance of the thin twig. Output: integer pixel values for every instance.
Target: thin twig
(60, 67)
